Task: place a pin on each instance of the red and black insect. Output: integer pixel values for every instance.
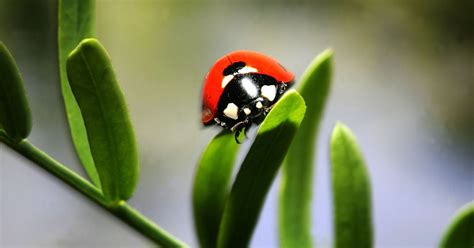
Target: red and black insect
(241, 88)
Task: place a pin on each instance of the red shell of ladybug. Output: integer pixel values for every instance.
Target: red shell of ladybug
(240, 87)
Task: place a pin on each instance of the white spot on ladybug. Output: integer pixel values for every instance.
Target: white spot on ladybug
(226, 80)
(269, 92)
(247, 111)
(231, 111)
(247, 69)
(259, 105)
(249, 87)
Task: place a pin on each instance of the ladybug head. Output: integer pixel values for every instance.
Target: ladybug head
(247, 99)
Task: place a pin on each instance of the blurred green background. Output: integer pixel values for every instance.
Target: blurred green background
(404, 82)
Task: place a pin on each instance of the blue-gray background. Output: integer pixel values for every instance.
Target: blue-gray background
(403, 82)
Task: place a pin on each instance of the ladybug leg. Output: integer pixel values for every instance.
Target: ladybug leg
(237, 133)
(221, 123)
(267, 110)
(282, 87)
(237, 128)
(240, 125)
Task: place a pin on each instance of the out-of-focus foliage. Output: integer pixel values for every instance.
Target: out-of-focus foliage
(460, 232)
(297, 176)
(109, 129)
(76, 20)
(351, 190)
(15, 116)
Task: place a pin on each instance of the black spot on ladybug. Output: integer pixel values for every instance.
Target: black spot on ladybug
(233, 68)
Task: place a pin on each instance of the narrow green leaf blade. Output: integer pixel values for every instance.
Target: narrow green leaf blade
(109, 130)
(351, 191)
(76, 20)
(297, 172)
(15, 115)
(259, 170)
(460, 233)
(212, 186)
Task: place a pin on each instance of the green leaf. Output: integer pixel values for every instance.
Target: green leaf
(212, 185)
(75, 23)
(259, 170)
(351, 191)
(106, 118)
(297, 171)
(460, 232)
(15, 115)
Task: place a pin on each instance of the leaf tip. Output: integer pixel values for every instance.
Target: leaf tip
(85, 44)
(323, 57)
(459, 231)
(297, 98)
(342, 137)
(328, 53)
(340, 129)
(291, 107)
(89, 42)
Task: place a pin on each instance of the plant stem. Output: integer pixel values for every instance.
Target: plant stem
(120, 209)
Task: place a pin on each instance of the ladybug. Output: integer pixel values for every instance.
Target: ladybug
(241, 88)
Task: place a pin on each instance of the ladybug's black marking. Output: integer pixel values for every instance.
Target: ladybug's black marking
(244, 90)
(233, 68)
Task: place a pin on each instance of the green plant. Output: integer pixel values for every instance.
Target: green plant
(351, 191)
(235, 213)
(75, 23)
(295, 194)
(226, 211)
(460, 233)
(90, 91)
(104, 139)
(297, 173)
